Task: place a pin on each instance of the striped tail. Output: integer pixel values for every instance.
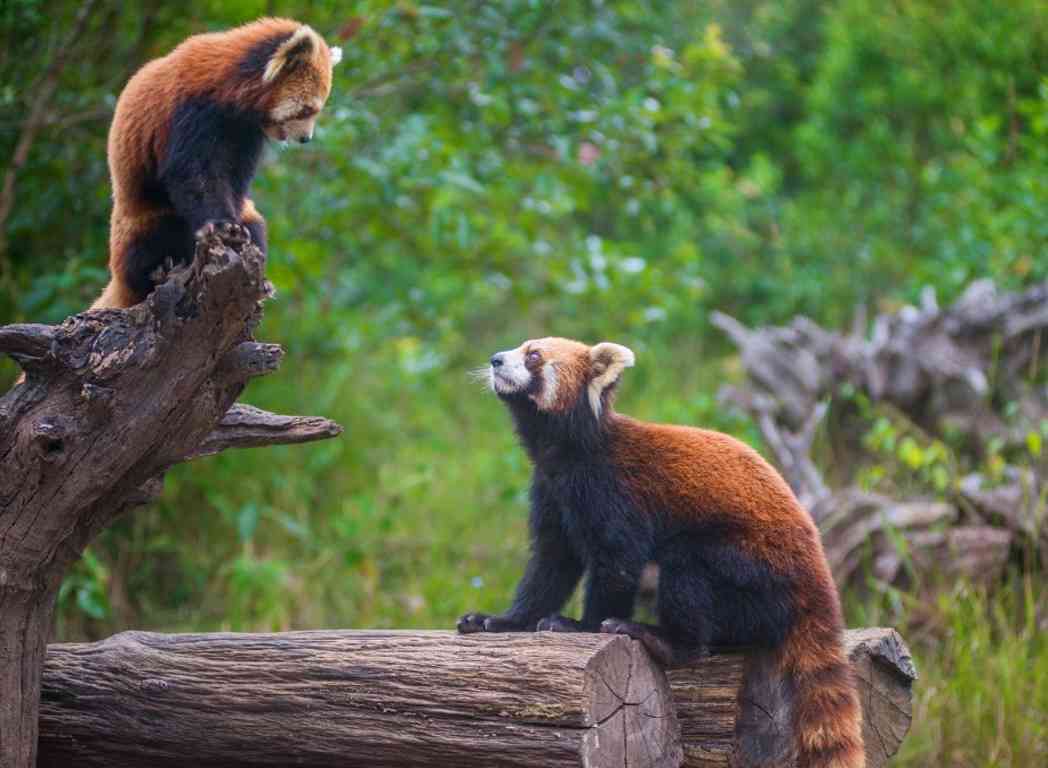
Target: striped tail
(799, 706)
(826, 716)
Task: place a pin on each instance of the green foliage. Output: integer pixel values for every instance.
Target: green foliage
(488, 172)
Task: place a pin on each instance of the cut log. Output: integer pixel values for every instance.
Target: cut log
(368, 698)
(705, 696)
(386, 699)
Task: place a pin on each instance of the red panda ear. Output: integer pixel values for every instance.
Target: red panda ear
(607, 362)
(301, 46)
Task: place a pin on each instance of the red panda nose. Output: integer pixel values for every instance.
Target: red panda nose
(496, 361)
(305, 139)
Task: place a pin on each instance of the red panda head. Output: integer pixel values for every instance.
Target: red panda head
(276, 70)
(554, 374)
(298, 76)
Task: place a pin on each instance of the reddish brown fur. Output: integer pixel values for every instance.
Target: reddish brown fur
(202, 66)
(690, 471)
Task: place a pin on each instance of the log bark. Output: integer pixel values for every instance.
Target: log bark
(112, 399)
(711, 720)
(368, 698)
(386, 699)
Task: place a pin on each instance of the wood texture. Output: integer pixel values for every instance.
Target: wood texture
(112, 399)
(368, 698)
(384, 699)
(705, 696)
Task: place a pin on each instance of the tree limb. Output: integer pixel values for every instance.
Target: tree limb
(245, 426)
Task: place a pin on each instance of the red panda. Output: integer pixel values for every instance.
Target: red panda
(740, 560)
(187, 135)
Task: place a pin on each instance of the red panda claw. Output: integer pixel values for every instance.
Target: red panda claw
(226, 229)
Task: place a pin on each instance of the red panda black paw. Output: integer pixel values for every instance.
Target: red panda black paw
(657, 644)
(226, 229)
(482, 622)
(557, 623)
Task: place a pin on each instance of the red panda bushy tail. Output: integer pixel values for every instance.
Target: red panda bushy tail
(799, 703)
(825, 715)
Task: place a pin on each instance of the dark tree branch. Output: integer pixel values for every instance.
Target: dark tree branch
(245, 426)
(26, 340)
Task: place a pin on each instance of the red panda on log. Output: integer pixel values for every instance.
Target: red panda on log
(740, 560)
(187, 136)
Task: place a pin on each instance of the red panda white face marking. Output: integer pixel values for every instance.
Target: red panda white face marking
(555, 373)
(300, 71)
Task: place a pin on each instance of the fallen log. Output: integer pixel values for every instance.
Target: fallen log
(386, 699)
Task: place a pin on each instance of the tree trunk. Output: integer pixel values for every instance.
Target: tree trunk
(24, 631)
(384, 699)
(112, 399)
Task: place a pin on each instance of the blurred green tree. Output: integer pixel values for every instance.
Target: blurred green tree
(492, 171)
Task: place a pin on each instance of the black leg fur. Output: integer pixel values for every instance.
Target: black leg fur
(549, 579)
(611, 588)
(663, 648)
(558, 623)
(168, 242)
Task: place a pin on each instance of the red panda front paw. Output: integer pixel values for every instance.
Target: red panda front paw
(482, 622)
(226, 229)
(558, 623)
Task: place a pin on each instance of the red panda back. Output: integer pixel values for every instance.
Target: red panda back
(693, 474)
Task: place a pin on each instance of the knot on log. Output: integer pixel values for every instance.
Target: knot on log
(48, 436)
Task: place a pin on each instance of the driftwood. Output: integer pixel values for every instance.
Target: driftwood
(388, 699)
(112, 400)
(973, 370)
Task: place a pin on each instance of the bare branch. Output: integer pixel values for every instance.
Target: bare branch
(26, 340)
(245, 426)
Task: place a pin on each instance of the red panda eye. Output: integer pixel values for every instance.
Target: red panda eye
(533, 357)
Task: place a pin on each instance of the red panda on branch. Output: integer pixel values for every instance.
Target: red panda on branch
(740, 561)
(187, 136)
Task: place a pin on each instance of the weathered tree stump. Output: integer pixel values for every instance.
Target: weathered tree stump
(972, 370)
(111, 401)
(385, 699)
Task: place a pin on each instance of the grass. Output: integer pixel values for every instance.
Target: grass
(982, 696)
